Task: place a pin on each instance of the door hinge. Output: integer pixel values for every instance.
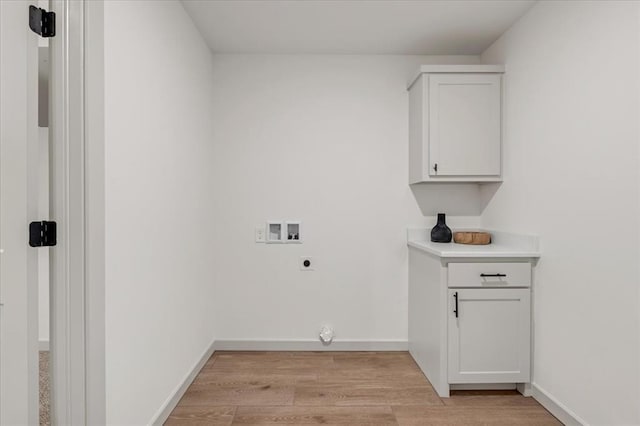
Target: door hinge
(42, 234)
(42, 22)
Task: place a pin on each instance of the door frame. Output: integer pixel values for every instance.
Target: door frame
(19, 207)
(77, 194)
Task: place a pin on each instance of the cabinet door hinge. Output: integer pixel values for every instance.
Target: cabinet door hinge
(43, 234)
(42, 22)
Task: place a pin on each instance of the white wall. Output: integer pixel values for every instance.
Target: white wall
(159, 214)
(571, 176)
(321, 139)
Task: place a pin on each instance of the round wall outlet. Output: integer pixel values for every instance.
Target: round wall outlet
(306, 263)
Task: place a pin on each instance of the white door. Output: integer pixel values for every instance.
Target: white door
(465, 124)
(18, 207)
(489, 335)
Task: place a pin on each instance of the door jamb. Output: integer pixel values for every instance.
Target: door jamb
(77, 194)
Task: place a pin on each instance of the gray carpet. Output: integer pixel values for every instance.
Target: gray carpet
(44, 388)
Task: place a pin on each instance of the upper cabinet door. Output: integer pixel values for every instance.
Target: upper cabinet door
(465, 126)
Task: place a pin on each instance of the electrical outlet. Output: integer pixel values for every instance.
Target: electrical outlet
(260, 234)
(306, 263)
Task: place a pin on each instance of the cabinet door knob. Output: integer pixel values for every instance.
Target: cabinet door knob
(435, 167)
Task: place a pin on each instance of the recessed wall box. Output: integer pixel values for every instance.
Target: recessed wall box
(275, 232)
(292, 232)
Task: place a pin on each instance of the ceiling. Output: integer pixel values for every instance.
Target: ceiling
(354, 26)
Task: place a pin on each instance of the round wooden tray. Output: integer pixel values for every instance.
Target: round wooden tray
(474, 238)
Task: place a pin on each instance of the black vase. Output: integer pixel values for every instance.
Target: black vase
(441, 233)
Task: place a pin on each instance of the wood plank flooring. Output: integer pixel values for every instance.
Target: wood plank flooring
(338, 388)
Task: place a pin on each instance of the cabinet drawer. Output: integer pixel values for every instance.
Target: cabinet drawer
(489, 274)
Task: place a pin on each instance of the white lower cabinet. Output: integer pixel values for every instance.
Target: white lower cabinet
(489, 335)
(470, 320)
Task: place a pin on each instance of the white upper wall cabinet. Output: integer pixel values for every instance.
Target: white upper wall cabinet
(455, 124)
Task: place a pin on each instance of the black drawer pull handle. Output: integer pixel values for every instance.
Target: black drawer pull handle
(493, 275)
(455, 296)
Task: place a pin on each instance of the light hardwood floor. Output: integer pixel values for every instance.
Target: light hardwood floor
(338, 388)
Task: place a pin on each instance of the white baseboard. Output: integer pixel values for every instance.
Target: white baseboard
(310, 345)
(172, 401)
(555, 407)
(43, 345)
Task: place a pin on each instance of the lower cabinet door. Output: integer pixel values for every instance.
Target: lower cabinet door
(489, 335)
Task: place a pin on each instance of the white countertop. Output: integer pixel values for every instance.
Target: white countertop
(503, 245)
